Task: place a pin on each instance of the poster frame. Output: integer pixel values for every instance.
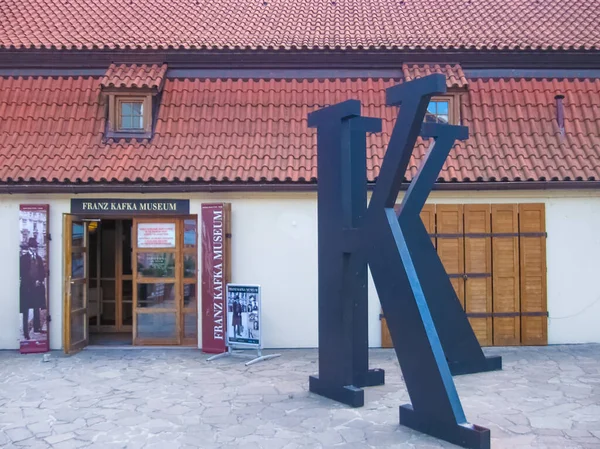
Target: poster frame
(37, 346)
(237, 344)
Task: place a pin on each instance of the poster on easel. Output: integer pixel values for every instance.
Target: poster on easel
(33, 278)
(243, 316)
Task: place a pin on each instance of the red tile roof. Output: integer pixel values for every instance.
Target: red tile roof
(410, 24)
(455, 77)
(134, 76)
(224, 130)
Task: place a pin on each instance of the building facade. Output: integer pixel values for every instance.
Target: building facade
(122, 137)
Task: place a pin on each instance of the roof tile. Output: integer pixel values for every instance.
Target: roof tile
(256, 130)
(455, 77)
(134, 76)
(275, 24)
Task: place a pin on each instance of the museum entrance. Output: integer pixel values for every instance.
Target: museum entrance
(130, 281)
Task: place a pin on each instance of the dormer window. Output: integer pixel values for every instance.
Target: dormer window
(131, 114)
(440, 110)
(444, 109)
(133, 94)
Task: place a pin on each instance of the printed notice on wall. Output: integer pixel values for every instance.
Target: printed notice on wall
(156, 235)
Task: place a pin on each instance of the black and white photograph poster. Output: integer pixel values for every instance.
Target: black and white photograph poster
(243, 315)
(33, 271)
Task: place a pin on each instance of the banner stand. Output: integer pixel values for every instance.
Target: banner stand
(244, 324)
(242, 352)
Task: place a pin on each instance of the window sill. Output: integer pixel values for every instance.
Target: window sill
(128, 135)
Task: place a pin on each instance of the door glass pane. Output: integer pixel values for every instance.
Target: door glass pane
(189, 233)
(156, 325)
(77, 234)
(77, 296)
(127, 225)
(109, 231)
(77, 265)
(160, 295)
(156, 265)
(190, 325)
(108, 317)
(189, 266)
(190, 300)
(127, 313)
(127, 291)
(78, 326)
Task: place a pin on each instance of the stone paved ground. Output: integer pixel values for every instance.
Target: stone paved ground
(153, 398)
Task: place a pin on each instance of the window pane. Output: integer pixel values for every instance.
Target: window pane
(77, 265)
(190, 325)
(189, 233)
(137, 122)
(443, 118)
(189, 266)
(77, 296)
(190, 300)
(156, 325)
(431, 107)
(77, 234)
(125, 109)
(442, 107)
(137, 108)
(126, 122)
(156, 296)
(156, 265)
(78, 328)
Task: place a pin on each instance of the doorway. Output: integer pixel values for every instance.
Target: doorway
(130, 281)
(110, 291)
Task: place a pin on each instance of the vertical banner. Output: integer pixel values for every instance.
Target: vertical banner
(33, 273)
(243, 315)
(216, 273)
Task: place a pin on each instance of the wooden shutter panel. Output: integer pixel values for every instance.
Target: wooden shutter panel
(478, 266)
(450, 245)
(534, 329)
(428, 218)
(505, 280)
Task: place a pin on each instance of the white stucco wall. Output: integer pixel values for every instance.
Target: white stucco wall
(274, 244)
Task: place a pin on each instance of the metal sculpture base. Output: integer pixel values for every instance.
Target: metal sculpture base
(351, 395)
(467, 435)
(232, 352)
(492, 363)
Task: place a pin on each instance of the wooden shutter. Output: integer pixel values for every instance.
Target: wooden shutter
(428, 218)
(478, 266)
(534, 320)
(450, 245)
(505, 280)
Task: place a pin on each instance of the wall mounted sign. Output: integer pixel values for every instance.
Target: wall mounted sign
(243, 315)
(112, 206)
(156, 235)
(33, 271)
(216, 274)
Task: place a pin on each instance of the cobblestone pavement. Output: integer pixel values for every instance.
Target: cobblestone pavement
(163, 398)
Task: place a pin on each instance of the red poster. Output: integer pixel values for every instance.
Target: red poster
(215, 275)
(33, 272)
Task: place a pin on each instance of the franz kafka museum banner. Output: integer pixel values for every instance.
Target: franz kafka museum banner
(33, 273)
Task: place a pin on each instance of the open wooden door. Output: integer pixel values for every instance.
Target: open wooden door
(75, 327)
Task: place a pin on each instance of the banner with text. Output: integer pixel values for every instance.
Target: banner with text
(243, 315)
(33, 272)
(216, 238)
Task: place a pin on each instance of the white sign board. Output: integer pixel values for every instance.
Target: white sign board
(156, 235)
(243, 315)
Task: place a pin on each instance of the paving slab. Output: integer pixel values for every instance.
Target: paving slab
(545, 397)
